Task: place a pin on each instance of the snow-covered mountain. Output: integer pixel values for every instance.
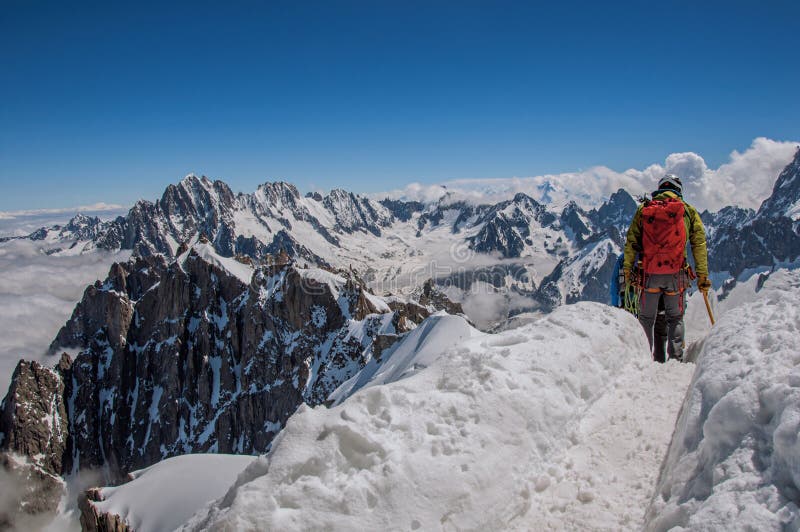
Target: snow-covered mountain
(785, 198)
(520, 246)
(236, 309)
(556, 425)
(741, 242)
(552, 426)
(394, 245)
(200, 354)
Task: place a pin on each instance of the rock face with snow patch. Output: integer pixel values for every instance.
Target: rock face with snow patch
(200, 354)
(740, 240)
(509, 226)
(617, 212)
(785, 198)
(33, 441)
(520, 244)
(95, 520)
(33, 418)
(30, 494)
(586, 276)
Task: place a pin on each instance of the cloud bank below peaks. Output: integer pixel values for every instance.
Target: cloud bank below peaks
(746, 180)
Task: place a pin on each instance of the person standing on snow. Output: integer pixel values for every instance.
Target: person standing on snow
(659, 232)
(621, 295)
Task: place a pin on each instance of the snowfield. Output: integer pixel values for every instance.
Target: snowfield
(163, 496)
(478, 438)
(734, 462)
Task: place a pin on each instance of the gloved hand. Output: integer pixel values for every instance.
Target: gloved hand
(628, 279)
(703, 284)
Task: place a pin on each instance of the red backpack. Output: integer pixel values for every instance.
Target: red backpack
(663, 236)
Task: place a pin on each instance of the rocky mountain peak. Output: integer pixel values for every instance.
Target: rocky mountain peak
(785, 198)
(356, 213)
(82, 227)
(618, 211)
(402, 210)
(734, 217)
(278, 194)
(197, 197)
(33, 416)
(186, 356)
(576, 221)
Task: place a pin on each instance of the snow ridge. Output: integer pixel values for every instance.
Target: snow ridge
(463, 443)
(734, 461)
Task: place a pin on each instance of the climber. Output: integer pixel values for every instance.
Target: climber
(626, 298)
(658, 236)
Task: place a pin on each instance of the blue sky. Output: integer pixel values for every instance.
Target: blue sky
(110, 102)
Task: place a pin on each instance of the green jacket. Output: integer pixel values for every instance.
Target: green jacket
(694, 229)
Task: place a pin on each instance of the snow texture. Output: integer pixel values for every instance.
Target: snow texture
(477, 439)
(163, 496)
(734, 461)
(244, 272)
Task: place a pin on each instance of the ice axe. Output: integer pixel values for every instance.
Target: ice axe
(708, 307)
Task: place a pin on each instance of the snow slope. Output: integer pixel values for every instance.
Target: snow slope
(244, 272)
(734, 462)
(473, 441)
(419, 349)
(163, 496)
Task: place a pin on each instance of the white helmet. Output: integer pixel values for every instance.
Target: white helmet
(671, 181)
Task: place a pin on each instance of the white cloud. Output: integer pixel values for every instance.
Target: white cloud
(37, 296)
(746, 180)
(414, 192)
(750, 176)
(95, 207)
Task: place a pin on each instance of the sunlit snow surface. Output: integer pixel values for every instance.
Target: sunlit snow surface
(243, 272)
(561, 424)
(734, 462)
(162, 497)
(470, 440)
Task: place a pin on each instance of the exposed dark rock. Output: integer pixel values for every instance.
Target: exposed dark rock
(617, 212)
(726, 217)
(355, 213)
(785, 192)
(186, 357)
(94, 520)
(33, 416)
(507, 226)
(574, 220)
(316, 196)
(283, 241)
(382, 343)
(433, 297)
(402, 210)
(761, 242)
(585, 276)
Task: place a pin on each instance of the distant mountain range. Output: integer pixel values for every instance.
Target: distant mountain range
(236, 309)
(544, 255)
